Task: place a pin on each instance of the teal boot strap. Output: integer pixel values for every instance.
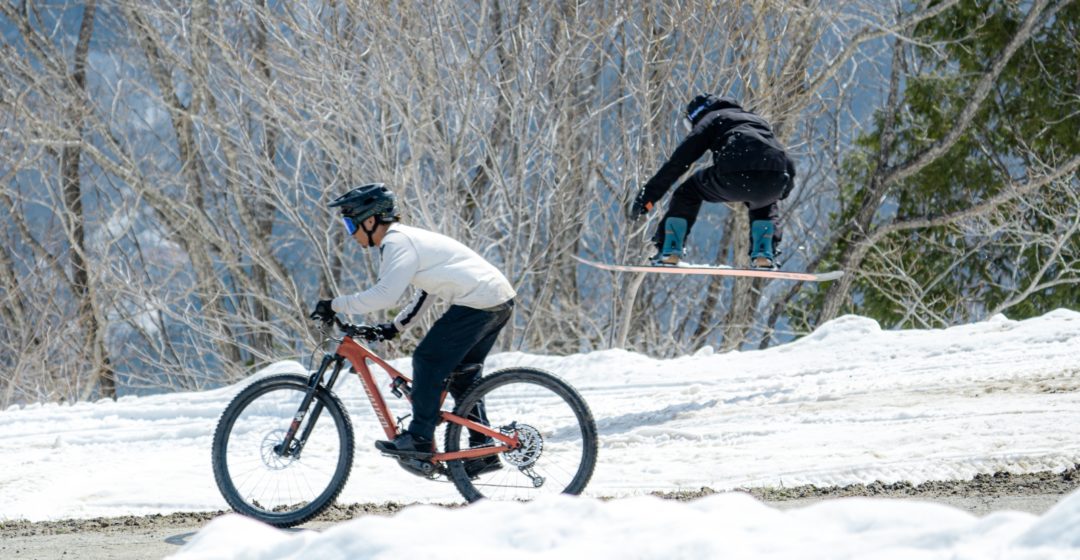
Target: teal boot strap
(761, 231)
(674, 233)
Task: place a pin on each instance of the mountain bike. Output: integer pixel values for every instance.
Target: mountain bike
(283, 448)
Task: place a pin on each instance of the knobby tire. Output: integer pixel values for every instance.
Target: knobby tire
(578, 430)
(332, 414)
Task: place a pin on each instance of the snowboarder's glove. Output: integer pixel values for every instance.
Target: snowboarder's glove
(386, 331)
(640, 206)
(790, 185)
(323, 312)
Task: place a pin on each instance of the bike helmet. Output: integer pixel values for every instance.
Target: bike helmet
(363, 202)
(373, 199)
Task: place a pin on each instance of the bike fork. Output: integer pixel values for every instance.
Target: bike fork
(292, 445)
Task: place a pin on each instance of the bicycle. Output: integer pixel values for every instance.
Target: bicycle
(277, 459)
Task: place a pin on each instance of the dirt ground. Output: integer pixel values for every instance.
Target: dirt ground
(158, 536)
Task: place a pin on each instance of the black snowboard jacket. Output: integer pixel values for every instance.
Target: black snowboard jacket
(739, 141)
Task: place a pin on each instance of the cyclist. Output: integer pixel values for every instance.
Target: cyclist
(480, 297)
(749, 166)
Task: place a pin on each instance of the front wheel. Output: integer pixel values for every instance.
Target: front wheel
(553, 424)
(282, 485)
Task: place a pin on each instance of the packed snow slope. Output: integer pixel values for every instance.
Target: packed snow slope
(848, 403)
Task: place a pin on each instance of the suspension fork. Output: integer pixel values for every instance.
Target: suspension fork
(292, 445)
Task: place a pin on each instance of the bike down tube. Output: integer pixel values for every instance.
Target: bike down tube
(358, 356)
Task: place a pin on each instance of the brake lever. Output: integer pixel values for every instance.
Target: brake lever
(365, 332)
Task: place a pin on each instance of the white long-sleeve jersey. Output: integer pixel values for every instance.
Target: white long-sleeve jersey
(435, 265)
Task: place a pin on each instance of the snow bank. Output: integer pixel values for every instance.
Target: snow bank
(720, 526)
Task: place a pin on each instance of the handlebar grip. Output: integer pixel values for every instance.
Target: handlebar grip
(366, 332)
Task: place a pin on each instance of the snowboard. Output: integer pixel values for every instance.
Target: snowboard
(716, 270)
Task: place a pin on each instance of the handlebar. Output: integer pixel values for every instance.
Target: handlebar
(366, 332)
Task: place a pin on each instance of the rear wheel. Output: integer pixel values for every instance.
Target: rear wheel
(253, 473)
(553, 424)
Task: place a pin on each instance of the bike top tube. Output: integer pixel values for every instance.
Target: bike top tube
(357, 353)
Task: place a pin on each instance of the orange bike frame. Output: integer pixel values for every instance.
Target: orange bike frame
(358, 355)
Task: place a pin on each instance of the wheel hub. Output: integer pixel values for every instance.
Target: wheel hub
(270, 451)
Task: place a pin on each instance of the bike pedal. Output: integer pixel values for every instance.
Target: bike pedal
(426, 469)
(402, 455)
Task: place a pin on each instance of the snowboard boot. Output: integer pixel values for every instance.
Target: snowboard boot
(671, 252)
(762, 262)
(761, 244)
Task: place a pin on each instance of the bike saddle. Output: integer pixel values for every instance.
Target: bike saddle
(467, 369)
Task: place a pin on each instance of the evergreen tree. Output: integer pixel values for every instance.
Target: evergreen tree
(1021, 256)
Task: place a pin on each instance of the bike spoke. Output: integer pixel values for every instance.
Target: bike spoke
(554, 426)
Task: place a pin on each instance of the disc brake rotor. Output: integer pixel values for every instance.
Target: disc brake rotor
(271, 458)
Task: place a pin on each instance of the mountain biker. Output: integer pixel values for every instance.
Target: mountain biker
(749, 166)
(480, 297)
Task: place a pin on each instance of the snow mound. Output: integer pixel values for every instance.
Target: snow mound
(845, 328)
(721, 526)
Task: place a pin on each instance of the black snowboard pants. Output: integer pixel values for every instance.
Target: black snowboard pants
(758, 190)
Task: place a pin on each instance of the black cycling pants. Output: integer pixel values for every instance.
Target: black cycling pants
(463, 335)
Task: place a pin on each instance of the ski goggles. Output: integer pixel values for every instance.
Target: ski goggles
(351, 226)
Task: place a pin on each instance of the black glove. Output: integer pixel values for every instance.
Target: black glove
(640, 206)
(386, 331)
(323, 312)
(790, 185)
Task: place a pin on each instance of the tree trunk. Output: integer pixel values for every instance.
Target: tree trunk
(94, 353)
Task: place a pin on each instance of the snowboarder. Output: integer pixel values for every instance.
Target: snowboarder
(481, 301)
(749, 166)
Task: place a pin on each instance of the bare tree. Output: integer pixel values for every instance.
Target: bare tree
(167, 168)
